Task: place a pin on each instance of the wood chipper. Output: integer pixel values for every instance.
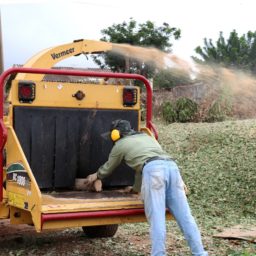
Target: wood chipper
(52, 135)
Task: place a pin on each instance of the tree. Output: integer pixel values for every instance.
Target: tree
(146, 35)
(235, 52)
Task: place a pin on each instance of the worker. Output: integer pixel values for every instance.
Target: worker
(161, 185)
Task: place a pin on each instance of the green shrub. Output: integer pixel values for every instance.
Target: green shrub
(186, 109)
(169, 112)
(219, 110)
(183, 110)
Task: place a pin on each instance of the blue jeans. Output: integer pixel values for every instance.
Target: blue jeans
(162, 187)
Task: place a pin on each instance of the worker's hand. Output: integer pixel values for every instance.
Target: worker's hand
(128, 189)
(90, 179)
(97, 185)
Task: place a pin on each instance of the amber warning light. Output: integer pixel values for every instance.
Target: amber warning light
(26, 91)
(129, 96)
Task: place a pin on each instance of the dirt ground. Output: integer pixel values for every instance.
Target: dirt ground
(130, 240)
(24, 240)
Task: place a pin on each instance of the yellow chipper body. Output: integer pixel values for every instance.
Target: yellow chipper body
(52, 134)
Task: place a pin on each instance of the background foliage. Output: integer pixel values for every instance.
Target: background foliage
(235, 52)
(171, 77)
(182, 110)
(138, 34)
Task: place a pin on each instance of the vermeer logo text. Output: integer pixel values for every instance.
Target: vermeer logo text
(63, 53)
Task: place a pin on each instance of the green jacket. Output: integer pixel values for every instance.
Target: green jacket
(134, 150)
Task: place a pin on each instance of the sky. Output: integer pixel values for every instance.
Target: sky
(29, 26)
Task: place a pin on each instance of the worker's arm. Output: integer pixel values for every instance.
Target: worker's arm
(114, 159)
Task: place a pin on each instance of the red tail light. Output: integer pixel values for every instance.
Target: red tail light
(129, 96)
(26, 91)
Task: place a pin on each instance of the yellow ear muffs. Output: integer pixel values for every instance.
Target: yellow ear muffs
(115, 135)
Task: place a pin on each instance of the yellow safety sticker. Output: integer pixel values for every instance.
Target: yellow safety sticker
(17, 200)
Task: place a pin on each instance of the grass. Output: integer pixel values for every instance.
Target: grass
(217, 162)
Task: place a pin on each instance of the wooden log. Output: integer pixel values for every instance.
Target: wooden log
(81, 184)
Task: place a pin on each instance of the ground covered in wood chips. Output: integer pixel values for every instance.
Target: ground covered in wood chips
(217, 162)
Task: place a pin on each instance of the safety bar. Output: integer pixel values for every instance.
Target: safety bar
(83, 215)
(5, 74)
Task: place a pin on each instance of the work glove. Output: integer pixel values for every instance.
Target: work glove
(90, 179)
(97, 185)
(130, 190)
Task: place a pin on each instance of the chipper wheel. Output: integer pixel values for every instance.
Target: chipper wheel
(100, 231)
